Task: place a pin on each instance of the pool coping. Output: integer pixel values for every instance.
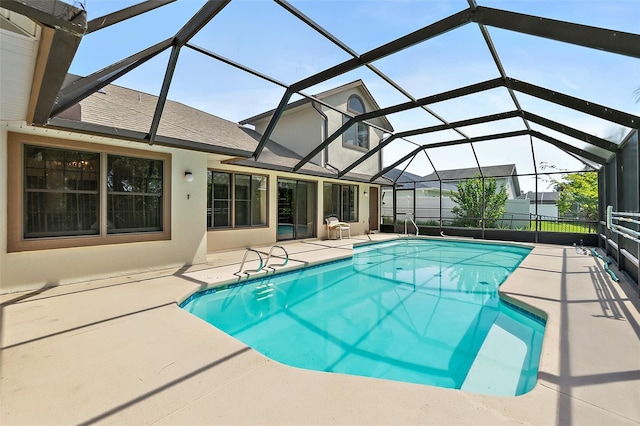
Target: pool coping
(232, 282)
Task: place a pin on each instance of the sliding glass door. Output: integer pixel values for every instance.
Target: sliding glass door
(296, 209)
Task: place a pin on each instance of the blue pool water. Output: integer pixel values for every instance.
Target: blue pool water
(420, 311)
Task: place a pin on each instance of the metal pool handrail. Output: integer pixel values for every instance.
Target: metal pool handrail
(408, 217)
(286, 257)
(621, 229)
(245, 258)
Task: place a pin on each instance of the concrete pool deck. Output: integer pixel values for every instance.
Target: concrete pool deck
(121, 351)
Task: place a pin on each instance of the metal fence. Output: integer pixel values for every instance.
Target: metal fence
(531, 222)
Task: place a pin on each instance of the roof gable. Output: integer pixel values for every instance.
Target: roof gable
(357, 84)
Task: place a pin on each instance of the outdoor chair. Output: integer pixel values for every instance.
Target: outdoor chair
(334, 224)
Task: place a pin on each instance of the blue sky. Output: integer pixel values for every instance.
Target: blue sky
(264, 36)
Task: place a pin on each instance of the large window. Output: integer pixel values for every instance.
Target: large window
(218, 200)
(134, 194)
(340, 201)
(61, 192)
(69, 194)
(236, 200)
(358, 134)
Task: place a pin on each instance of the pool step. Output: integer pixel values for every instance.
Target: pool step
(263, 291)
(498, 366)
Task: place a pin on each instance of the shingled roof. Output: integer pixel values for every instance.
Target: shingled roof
(123, 108)
(407, 180)
(503, 170)
(402, 176)
(128, 113)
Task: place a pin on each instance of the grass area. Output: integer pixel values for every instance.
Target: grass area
(544, 225)
(564, 227)
(548, 226)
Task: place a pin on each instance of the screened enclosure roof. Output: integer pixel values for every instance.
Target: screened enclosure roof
(463, 84)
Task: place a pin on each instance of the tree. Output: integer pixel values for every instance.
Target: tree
(578, 194)
(472, 200)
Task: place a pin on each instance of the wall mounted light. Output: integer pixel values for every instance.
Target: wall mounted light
(188, 176)
(366, 193)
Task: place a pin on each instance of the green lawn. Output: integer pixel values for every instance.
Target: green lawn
(549, 226)
(563, 227)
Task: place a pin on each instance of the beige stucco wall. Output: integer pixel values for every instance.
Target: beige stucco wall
(34, 269)
(190, 240)
(342, 156)
(227, 239)
(299, 130)
(302, 129)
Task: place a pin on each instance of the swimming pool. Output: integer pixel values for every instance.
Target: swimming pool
(414, 310)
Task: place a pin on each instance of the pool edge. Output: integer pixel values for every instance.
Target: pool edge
(238, 280)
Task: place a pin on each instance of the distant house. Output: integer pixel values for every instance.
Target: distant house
(432, 199)
(427, 198)
(546, 202)
(505, 174)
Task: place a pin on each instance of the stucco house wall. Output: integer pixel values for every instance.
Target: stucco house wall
(340, 155)
(299, 130)
(302, 128)
(190, 239)
(227, 239)
(27, 270)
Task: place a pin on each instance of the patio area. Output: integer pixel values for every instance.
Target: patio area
(121, 351)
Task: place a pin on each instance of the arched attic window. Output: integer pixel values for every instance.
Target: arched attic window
(358, 134)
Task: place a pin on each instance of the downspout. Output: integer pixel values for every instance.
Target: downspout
(440, 207)
(482, 205)
(325, 132)
(395, 207)
(535, 198)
